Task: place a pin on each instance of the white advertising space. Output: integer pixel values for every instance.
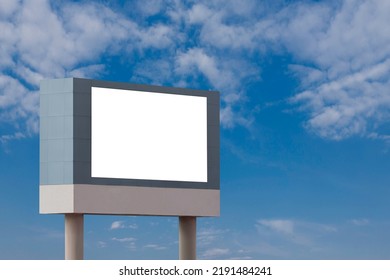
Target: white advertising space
(148, 135)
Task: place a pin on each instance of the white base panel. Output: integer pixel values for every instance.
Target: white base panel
(125, 200)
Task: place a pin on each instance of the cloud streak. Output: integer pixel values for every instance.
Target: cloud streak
(126, 239)
(155, 247)
(122, 225)
(301, 233)
(346, 85)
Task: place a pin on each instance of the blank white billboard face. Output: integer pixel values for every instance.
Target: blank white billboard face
(148, 135)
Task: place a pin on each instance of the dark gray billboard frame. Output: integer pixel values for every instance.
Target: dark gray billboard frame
(66, 184)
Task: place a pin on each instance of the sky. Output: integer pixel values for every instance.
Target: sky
(305, 120)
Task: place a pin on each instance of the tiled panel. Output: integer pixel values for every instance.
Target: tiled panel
(56, 86)
(68, 127)
(43, 150)
(55, 173)
(43, 127)
(68, 149)
(44, 105)
(55, 149)
(43, 173)
(56, 128)
(68, 172)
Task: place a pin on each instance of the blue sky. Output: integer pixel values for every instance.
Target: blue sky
(305, 130)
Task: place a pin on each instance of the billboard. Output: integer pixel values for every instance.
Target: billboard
(148, 135)
(128, 149)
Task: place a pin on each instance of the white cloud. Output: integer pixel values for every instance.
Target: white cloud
(215, 253)
(72, 39)
(127, 242)
(126, 239)
(155, 71)
(157, 36)
(285, 238)
(343, 107)
(155, 247)
(132, 226)
(87, 71)
(282, 226)
(118, 225)
(197, 60)
(132, 246)
(360, 222)
(307, 75)
(17, 102)
(122, 225)
(223, 74)
(101, 244)
(340, 50)
(229, 25)
(221, 35)
(147, 8)
(8, 41)
(207, 236)
(5, 138)
(12, 91)
(199, 13)
(346, 88)
(8, 7)
(340, 54)
(31, 51)
(301, 233)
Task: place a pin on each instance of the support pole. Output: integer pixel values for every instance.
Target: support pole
(187, 238)
(74, 236)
